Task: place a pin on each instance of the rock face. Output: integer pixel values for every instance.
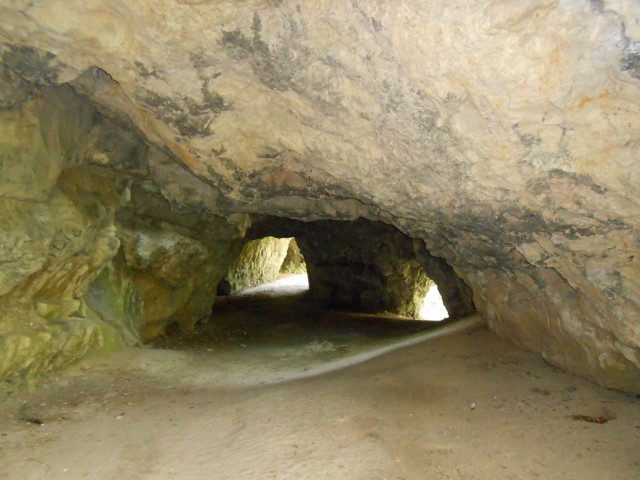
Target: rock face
(259, 262)
(52, 247)
(158, 278)
(92, 251)
(294, 260)
(502, 136)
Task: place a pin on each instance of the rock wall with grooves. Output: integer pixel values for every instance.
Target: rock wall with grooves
(71, 249)
(259, 262)
(294, 261)
(52, 247)
(502, 134)
(159, 278)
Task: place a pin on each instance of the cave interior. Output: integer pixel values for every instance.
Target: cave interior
(137, 163)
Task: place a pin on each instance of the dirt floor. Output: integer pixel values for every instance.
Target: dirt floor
(279, 389)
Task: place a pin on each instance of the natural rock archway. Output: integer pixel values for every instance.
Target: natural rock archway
(368, 266)
(141, 138)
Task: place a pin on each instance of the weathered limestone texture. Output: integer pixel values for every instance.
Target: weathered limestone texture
(259, 262)
(69, 181)
(502, 134)
(409, 285)
(456, 294)
(159, 277)
(294, 261)
(51, 247)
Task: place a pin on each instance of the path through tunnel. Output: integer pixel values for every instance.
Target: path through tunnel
(369, 266)
(263, 260)
(324, 290)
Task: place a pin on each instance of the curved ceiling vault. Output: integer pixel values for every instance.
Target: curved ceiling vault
(503, 134)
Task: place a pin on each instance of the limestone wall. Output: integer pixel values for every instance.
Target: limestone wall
(52, 247)
(259, 262)
(502, 134)
(157, 278)
(79, 272)
(294, 260)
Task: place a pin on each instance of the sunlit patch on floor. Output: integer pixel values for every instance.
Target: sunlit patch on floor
(290, 284)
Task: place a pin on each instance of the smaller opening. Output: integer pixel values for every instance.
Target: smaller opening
(433, 309)
(267, 265)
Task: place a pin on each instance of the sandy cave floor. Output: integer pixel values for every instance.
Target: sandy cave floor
(297, 400)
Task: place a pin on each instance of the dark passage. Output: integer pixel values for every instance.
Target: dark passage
(269, 318)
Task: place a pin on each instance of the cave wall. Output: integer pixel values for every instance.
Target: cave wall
(86, 263)
(408, 286)
(294, 260)
(52, 247)
(502, 134)
(456, 295)
(159, 277)
(358, 266)
(259, 262)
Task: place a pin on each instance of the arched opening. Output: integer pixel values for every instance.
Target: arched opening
(416, 294)
(321, 290)
(371, 267)
(276, 266)
(269, 262)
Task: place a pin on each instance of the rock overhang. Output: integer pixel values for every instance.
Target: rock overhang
(503, 135)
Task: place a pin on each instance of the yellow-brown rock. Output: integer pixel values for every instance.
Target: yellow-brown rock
(259, 262)
(502, 134)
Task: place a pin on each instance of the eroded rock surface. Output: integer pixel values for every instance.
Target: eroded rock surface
(92, 251)
(159, 278)
(294, 260)
(259, 262)
(502, 134)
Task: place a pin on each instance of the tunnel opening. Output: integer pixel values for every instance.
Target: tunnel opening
(331, 287)
(433, 308)
(357, 266)
(368, 266)
(323, 290)
(268, 260)
(165, 283)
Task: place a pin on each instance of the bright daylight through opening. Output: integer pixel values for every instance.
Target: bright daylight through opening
(285, 285)
(432, 307)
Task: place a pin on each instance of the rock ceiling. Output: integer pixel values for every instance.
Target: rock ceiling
(504, 134)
